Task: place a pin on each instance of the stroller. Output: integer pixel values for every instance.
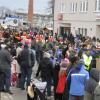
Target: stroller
(36, 90)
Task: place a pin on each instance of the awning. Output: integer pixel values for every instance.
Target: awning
(50, 28)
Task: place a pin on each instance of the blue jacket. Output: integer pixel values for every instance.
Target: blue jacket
(58, 55)
(77, 78)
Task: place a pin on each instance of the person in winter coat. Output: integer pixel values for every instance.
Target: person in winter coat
(94, 55)
(72, 63)
(39, 53)
(71, 38)
(46, 70)
(18, 51)
(87, 60)
(91, 84)
(77, 79)
(56, 70)
(26, 61)
(62, 79)
(5, 68)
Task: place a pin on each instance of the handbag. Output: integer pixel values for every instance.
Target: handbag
(30, 91)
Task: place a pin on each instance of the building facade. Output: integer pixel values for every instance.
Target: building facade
(77, 17)
(39, 20)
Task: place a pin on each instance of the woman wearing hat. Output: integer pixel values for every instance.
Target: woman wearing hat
(62, 79)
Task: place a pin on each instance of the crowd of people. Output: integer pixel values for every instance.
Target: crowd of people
(63, 62)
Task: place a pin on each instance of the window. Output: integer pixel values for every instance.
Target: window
(82, 31)
(62, 7)
(97, 5)
(73, 7)
(84, 6)
(81, 6)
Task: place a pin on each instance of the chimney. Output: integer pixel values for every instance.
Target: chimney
(30, 11)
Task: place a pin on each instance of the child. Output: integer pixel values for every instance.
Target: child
(13, 73)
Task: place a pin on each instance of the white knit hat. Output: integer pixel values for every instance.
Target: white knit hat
(46, 55)
(3, 46)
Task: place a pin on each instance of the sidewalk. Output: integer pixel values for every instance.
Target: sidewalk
(17, 95)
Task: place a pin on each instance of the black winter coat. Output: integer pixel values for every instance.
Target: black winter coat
(5, 59)
(46, 69)
(26, 58)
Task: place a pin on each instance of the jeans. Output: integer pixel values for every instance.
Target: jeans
(25, 73)
(71, 97)
(2, 80)
(48, 89)
(6, 82)
(19, 81)
(8, 79)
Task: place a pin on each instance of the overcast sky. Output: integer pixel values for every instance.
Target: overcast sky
(39, 5)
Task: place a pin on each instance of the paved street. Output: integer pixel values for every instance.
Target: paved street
(17, 95)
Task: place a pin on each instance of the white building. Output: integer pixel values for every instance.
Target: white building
(39, 20)
(77, 16)
(8, 17)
